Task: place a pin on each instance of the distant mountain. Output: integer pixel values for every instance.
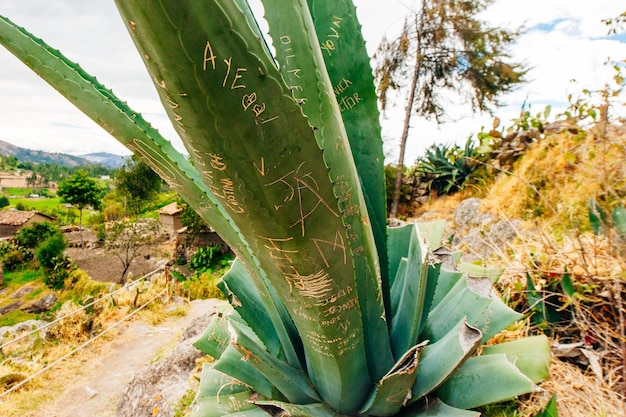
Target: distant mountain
(29, 155)
(109, 160)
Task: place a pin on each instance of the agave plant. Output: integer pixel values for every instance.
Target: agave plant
(331, 313)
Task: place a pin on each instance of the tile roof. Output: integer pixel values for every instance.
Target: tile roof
(17, 217)
(171, 209)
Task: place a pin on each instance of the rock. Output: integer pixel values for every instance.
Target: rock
(11, 307)
(160, 386)
(23, 291)
(504, 231)
(468, 214)
(42, 305)
(9, 332)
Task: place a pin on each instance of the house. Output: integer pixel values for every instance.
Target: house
(170, 217)
(13, 220)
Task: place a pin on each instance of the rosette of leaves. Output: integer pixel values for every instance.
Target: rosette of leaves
(331, 313)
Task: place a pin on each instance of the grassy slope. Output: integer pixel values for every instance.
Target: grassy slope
(549, 188)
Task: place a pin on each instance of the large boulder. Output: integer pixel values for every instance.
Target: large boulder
(157, 389)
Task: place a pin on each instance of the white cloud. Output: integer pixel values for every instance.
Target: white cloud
(34, 115)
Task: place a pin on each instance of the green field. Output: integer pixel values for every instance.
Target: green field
(40, 204)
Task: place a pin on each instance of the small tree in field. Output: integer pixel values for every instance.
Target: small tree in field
(80, 191)
(126, 238)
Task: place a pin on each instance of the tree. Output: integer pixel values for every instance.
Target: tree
(126, 238)
(446, 50)
(137, 183)
(80, 191)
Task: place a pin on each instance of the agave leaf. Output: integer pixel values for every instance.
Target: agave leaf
(432, 232)
(483, 380)
(393, 390)
(214, 383)
(302, 66)
(469, 298)
(496, 317)
(291, 382)
(233, 363)
(220, 394)
(437, 408)
(255, 412)
(212, 73)
(339, 35)
(531, 355)
(480, 271)
(282, 409)
(439, 360)
(215, 338)
(247, 301)
(410, 288)
(397, 245)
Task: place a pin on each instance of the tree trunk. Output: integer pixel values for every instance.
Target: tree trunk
(393, 213)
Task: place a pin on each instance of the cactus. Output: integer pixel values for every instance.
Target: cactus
(331, 313)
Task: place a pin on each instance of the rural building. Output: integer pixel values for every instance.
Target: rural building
(13, 220)
(170, 217)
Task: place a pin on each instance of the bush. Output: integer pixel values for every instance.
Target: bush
(30, 237)
(205, 258)
(50, 250)
(13, 258)
(4, 201)
(56, 276)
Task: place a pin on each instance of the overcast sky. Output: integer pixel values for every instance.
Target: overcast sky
(565, 40)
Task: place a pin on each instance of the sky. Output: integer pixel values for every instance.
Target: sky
(564, 40)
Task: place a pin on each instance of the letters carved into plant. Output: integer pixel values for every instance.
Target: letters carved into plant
(331, 312)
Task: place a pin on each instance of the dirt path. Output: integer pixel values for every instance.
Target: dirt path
(96, 389)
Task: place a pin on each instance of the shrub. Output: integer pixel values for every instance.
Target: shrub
(4, 201)
(30, 237)
(50, 250)
(205, 258)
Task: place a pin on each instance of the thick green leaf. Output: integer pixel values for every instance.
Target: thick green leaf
(410, 290)
(282, 409)
(392, 391)
(233, 363)
(495, 318)
(469, 299)
(531, 355)
(439, 360)
(220, 394)
(436, 408)
(215, 338)
(339, 36)
(291, 382)
(302, 65)
(247, 301)
(484, 380)
(128, 127)
(432, 232)
(213, 74)
(398, 247)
